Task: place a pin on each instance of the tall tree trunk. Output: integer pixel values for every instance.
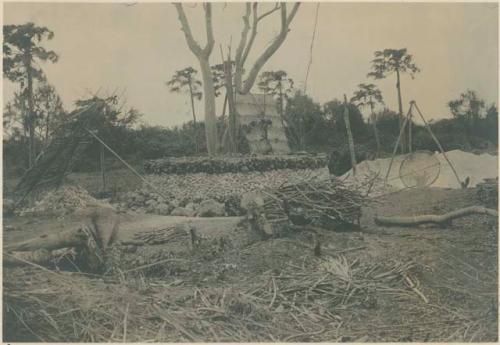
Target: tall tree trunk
(209, 99)
(203, 55)
(400, 104)
(31, 115)
(194, 115)
(375, 130)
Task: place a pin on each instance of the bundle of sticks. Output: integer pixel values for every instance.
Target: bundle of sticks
(159, 236)
(315, 201)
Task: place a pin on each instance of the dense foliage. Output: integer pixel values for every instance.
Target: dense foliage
(310, 127)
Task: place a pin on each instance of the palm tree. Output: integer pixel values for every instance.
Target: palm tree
(388, 61)
(185, 81)
(369, 95)
(21, 53)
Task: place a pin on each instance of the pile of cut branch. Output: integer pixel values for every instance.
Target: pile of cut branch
(315, 201)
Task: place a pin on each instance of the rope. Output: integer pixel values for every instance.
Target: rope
(311, 48)
(135, 172)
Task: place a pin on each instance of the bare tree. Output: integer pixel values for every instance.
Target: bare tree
(203, 56)
(246, 42)
(248, 35)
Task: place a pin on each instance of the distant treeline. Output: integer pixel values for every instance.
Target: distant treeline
(310, 127)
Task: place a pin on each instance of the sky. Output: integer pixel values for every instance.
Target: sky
(134, 50)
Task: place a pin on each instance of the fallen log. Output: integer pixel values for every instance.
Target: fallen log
(444, 219)
(39, 257)
(101, 223)
(96, 233)
(48, 242)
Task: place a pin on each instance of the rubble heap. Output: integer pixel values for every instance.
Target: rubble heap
(62, 201)
(219, 165)
(184, 195)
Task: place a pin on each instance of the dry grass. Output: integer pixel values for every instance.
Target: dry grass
(296, 303)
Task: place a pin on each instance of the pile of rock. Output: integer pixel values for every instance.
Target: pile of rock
(206, 194)
(219, 165)
(144, 201)
(62, 201)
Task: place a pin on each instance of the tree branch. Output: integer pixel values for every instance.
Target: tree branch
(275, 8)
(239, 52)
(256, 20)
(434, 219)
(293, 13)
(210, 32)
(272, 48)
(195, 48)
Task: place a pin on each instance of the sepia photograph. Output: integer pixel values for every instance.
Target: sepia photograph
(248, 172)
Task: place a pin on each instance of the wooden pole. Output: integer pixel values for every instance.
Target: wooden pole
(194, 114)
(154, 188)
(410, 132)
(438, 144)
(401, 131)
(400, 106)
(349, 136)
(102, 165)
(231, 107)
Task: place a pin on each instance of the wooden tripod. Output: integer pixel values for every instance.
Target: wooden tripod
(407, 120)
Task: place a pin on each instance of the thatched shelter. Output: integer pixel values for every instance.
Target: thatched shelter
(262, 124)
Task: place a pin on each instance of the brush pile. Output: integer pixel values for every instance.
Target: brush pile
(62, 201)
(315, 201)
(191, 165)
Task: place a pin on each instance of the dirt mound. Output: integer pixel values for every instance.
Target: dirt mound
(475, 167)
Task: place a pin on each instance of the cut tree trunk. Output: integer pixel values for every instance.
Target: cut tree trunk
(39, 257)
(70, 238)
(108, 227)
(442, 220)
